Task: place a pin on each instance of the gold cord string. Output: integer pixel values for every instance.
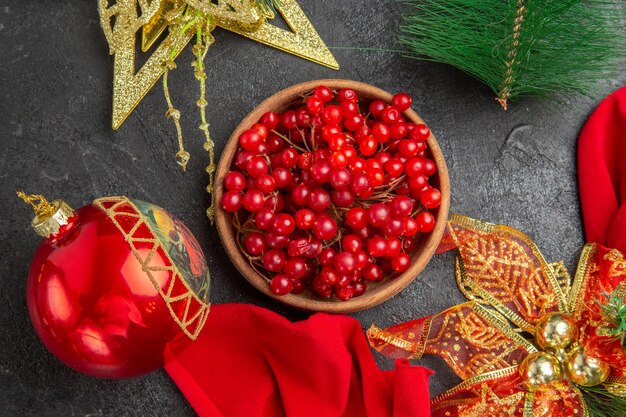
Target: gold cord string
(40, 205)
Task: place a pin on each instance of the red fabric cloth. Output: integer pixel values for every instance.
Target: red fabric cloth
(250, 362)
(602, 172)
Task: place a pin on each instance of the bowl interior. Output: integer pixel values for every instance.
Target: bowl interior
(376, 292)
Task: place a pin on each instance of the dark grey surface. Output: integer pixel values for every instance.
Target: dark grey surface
(516, 167)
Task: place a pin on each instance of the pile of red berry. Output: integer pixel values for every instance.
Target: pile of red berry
(331, 194)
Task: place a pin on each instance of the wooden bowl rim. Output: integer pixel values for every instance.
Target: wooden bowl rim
(387, 288)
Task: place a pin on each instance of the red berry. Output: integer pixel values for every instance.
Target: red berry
(289, 158)
(250, 140)
(327, 256)
(305, 219)
(264, 218)
(270, 120)
(377, 107)
(351, 243)
(257, 166)
(417, 183)
(274, 260)
(231, 201)
(381, 132)
(398, 131)
(420, 132)
(408, 244)
(362, 259)
(281, 285)
(282, 177)
(360, 183)
(394, 227)
(329, 131)
(431, 198)
(253, 200)
(337, 141)
(373, 272)
(324, 228)
(425, 222)
(395, 247)
(254, 243)
(429, 167)
(288, 120)
(377, 246)
(295, 268)
(347, 94)
(410, 227)
(300, 194)
(400, 262)
(390, 115)
(414, 167)
(276, 241)
(303, 118)
(319, 200)
(349, 107)
(275, 202)
(356, 218)
(345, 263)
(328, 276)
(320, 171)
(368, 146)
(342, 198)
(344, 293)
(401, 206)
(235, 180)
(401, 101)
(266, 183)
(408, 148)
(356, 165)
(284, 224)
(274, 143)
(323, 93)
(353, 122)
(298, 287)
(375, 176)
(242, 159)
(332, 115)
(378, 214)
(261, 130)
(339, 159)
(359, 289)
(340, 179)
(394, 167)
(314, 105)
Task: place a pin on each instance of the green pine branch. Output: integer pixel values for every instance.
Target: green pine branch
(521, 47)
(602, 403)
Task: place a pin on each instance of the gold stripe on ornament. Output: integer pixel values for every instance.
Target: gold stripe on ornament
(190, 296)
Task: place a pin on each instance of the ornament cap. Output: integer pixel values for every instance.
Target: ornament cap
(49, 216)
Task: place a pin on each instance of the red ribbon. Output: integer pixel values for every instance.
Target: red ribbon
(602, 172)
(251, 362)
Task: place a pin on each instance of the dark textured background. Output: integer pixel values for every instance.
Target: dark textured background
(516, 167)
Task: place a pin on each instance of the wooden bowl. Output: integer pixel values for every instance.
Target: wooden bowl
(376, 292)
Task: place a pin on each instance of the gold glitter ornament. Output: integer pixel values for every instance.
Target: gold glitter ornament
(586, 370)
(540, 368)
(555, 331)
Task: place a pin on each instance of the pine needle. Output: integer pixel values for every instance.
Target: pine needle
(601, 403)
(522, 47)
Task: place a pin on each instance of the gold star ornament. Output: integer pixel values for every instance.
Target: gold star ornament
(122, 19)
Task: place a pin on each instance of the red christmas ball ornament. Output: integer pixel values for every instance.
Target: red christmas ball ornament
(112, 283)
